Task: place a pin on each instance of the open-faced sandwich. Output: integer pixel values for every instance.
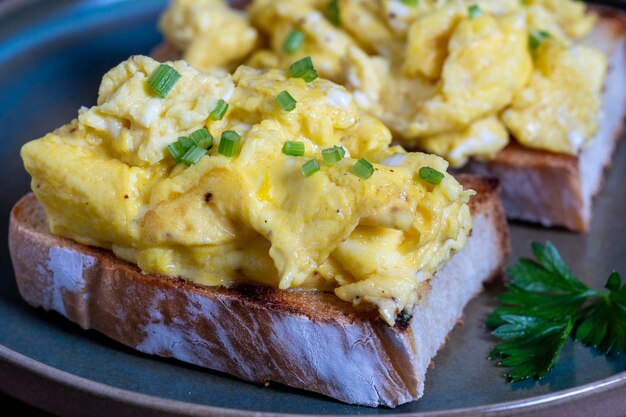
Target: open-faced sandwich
(258, 224)
(531, 91)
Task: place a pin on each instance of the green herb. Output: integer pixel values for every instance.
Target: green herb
(286, 100)
(303, 69)
(219, 111)
(202, 138)
(536, 38)
(310, 167)
(185, 142)
(546, 303)
(189, 149)
(163, 79)
(176, 150)
(430, 175)
(293, 41)
(229, 143)
(474, 11)
(193, 155)
(332, 155)
(412, 3)
(293, 148)
(363, 169)
(333, 12)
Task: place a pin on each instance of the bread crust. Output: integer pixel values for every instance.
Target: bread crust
(308, 340)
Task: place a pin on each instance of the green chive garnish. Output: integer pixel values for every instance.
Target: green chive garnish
(220, 110)
(286, 101)
(310, 167)
(431, 175)
(303, 69)
(163, 79)
(341, 150)
(202, 138)
(176, 150)
(363, 169)
(293, 41)
(185, 142)
(193, 155)
(474, 11)
(411, 2)
(536, 38)
(332, 155)
(293, 148)
(332, 10)
(229, 143)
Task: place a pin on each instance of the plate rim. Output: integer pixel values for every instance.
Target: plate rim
(137, 401)
(145, 402)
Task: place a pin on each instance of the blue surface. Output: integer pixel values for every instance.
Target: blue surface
(52, 56)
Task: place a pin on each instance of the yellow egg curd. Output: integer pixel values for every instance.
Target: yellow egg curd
(108, 179)
(454, 77)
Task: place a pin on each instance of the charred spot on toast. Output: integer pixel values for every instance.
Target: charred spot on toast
(403, 320)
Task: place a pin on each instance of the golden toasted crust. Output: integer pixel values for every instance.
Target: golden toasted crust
(307, 340)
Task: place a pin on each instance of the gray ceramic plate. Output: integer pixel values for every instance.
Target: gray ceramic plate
(52, 55)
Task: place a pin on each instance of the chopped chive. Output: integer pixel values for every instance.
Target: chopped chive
(333, 12)
(303, 69)
(411, 2)
(202, 138)
(163, 79)
(332, 155)
(474, 11)
(229, 143)
(220, 110)
(185, 142)
(193, 155)
(430, 175)
(310, 167)
(293, 41)
(293, 148)
(341, 150)
(536, 38)
(286, 100)
(310, 75)
(176, 150)
(363, 169)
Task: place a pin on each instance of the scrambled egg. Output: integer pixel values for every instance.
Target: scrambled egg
(211, 33)
(107, 179)
(440, 77)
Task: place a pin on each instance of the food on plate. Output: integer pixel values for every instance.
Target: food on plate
(519, 88)
(545, 304)
(244, 222)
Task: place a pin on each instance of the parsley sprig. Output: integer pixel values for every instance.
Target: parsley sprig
(546, 303)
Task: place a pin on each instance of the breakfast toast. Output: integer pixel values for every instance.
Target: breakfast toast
(550, 188)
(308, 340)
(557, 189)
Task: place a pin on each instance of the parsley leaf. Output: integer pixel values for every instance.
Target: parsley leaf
(546, 303)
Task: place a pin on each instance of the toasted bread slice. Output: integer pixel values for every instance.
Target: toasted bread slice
(555, 189)
(308, 340)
